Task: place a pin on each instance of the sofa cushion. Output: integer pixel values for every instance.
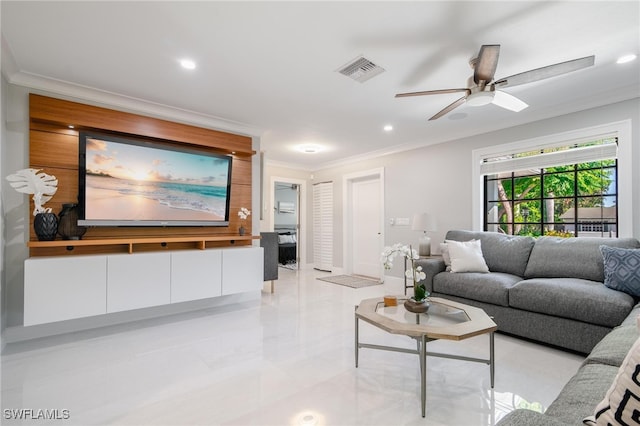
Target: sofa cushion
(633, 318)
(614, 347)
(503, 253)
(582, 393)
(555, 257)
(492, 287)
(578, 299)
(622, 269)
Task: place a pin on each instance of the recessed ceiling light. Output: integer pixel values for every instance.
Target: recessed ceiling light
(187, 64)
(626, 58)
(309, 149)
(388, 128)
(458, 116)
(71, 126)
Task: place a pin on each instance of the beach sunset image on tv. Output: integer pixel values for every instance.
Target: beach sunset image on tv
(142, 182)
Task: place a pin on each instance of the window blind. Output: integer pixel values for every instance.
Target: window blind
(568, 154)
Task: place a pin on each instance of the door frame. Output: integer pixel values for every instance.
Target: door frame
(347, 217)
(302, 213)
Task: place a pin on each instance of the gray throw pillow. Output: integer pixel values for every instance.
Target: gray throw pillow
(622, 269)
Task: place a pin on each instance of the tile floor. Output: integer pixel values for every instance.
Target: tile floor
(285, 360)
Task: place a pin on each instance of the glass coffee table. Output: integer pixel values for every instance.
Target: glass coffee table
(445, 319)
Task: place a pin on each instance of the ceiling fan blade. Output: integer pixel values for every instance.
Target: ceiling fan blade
(507, 101)
(486, 63)
(449, 108)
(432, 92)
(546, 72)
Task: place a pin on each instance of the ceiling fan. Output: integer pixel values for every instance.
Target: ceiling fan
(482, 88)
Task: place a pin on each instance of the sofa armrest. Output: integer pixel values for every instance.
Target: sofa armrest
(431, 267)
(523, 417)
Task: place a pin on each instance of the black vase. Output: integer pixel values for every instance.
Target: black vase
(46, 226)
(68, 223)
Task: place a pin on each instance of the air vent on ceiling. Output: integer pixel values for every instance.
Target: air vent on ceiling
(361, 69)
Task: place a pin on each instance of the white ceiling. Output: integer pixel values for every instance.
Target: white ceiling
(270, 67)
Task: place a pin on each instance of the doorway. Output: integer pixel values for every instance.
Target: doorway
(364, 222)
(287, 219)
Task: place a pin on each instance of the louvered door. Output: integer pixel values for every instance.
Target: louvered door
(323, 226)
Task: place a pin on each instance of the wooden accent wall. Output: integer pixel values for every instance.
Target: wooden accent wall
(53, 148)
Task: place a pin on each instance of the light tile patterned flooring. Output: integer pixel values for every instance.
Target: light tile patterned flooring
(287, 359)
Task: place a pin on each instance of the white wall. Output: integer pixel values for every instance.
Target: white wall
(438, 178)
(16, 212)
(3, 133)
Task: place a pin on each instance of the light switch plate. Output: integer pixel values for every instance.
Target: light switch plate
(402, 221)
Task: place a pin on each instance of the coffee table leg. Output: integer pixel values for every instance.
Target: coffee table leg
(492, 365)
(423, 374)
(357, 339)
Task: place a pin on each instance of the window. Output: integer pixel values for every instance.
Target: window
(499, 158)
(578, 199)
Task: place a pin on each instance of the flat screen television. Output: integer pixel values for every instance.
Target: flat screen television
(125, 181)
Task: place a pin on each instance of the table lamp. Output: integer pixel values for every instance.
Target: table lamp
(425, 223)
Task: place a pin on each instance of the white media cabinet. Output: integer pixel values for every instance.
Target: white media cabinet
(64, 288)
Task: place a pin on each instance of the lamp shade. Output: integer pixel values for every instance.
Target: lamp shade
(423, 222)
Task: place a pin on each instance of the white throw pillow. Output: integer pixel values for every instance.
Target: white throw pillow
(621, 404)
(444, 250)
(466, 256)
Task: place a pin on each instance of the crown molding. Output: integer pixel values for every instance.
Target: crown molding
(97, 97)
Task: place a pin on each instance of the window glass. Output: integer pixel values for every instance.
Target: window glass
(596, 181)
(558, 184)
(569, 200)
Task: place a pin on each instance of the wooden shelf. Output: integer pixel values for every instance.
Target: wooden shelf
(199, 241)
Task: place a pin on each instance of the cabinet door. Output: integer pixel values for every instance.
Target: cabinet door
(242, 269)
(196, 274)
(138, 281)
(57, 289)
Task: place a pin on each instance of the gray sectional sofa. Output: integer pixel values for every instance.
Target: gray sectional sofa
(588, 386)
(547, 289)
(550, 290)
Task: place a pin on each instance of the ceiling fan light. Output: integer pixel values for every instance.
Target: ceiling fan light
(507, 101)
(480, 98)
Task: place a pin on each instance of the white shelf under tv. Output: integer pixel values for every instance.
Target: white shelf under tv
(200, 241)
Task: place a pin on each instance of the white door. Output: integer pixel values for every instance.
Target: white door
(323, 226)
(366, 208)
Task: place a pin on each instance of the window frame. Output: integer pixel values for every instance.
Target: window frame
(621, 129)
